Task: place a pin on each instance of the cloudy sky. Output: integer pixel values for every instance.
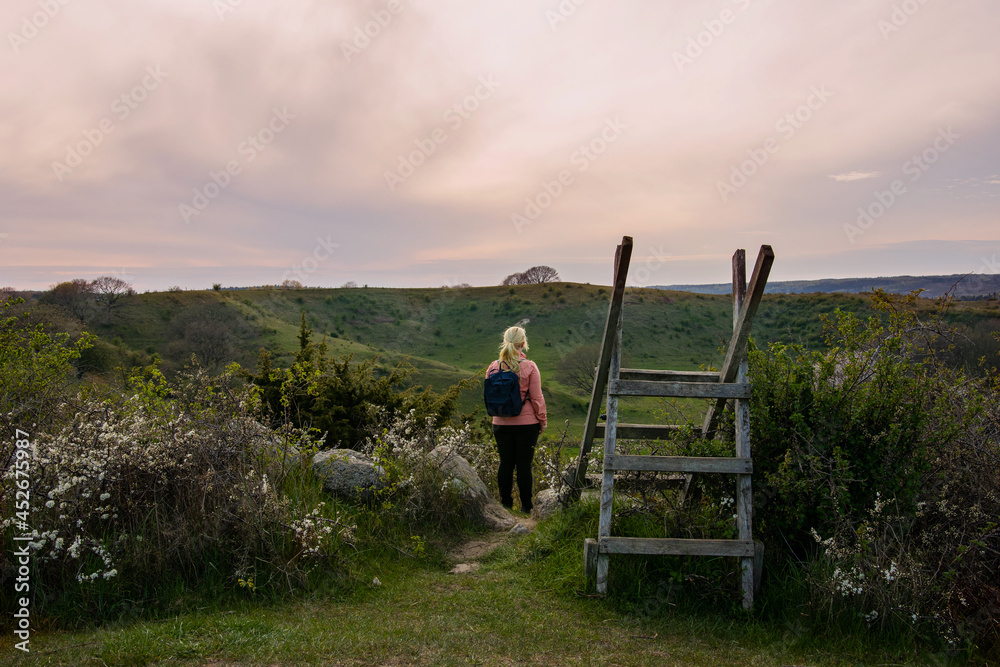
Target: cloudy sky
(430, 142)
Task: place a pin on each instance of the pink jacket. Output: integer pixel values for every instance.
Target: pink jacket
(533, 410)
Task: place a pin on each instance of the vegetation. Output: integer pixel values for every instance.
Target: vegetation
(533, 276)
(876, 491)
(341, 400)
(159, 490)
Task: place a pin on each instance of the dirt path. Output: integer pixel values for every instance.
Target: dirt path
(467, 554)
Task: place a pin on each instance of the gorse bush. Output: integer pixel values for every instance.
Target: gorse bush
(337, 397)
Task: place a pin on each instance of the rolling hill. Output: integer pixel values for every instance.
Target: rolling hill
(452, 333)
(978, 285)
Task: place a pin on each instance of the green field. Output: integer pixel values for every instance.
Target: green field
(451, 334)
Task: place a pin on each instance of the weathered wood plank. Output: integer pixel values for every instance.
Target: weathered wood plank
(623, 254)
(689, 464)
(736, 350)
(679, 389)
(669, 376)
(640, 431)
(744, 489)
(675, 547)
(590, 564)
(608, 481)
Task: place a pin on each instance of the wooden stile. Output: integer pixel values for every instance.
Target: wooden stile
(731, 383)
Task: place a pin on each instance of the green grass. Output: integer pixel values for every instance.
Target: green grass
(450, 334)
(522, 607)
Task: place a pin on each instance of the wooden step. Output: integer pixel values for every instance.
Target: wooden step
(675, 547)
(688, 464)
(668, 376)
(678, 389)
(639, 431)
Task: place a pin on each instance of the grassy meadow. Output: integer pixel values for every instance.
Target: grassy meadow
(449, 334)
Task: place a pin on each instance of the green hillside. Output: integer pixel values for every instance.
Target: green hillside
(449, 334)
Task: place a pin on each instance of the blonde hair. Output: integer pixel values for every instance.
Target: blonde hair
(514, 340)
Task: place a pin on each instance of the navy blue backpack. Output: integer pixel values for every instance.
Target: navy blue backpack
(502, 393)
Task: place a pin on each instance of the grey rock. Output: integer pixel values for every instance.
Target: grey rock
(519, 529)
(546, 504)
(479, 502)
(347, 473)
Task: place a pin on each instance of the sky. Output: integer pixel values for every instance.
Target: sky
(401, 143)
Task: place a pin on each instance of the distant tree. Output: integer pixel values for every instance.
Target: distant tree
(513, 279)
(109, 291)
(577, 367)
(175, 288)
(288, 283)
(215, 333)
(350, 284)
(217, 286)
(540, 274)
(76, 296)
(533, 276)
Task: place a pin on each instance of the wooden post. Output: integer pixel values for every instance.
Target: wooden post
(758, 567)
(744, 490)
(736, 350)
(623, 254)
(590, 564)
(610, 435)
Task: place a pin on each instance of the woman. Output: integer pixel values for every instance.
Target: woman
(516, 436)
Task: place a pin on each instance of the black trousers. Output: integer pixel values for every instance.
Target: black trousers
(516, 445)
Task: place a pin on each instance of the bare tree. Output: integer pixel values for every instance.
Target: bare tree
(109, 291)
(513, 279)
(288, 283)
(533, 276)
(577, 368)
(540, 274)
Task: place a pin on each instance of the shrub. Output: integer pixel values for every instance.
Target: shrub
(340, 398)
(36, 373)
(417, 487)
(145, 490)
(888, 458)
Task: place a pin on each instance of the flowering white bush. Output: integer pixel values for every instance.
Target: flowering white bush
(166, 480)
(417, 484)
